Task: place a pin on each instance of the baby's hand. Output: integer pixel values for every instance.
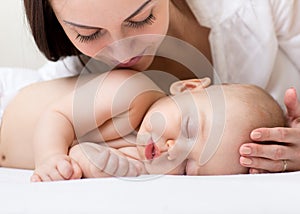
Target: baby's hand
(97, 161)
(57, 167)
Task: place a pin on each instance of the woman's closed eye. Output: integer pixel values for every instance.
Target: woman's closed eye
(131, 24)
(88, 38)
(139, 24)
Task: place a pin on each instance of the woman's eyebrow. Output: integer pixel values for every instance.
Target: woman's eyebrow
(97, 28)
(81, 26)
(138, 10)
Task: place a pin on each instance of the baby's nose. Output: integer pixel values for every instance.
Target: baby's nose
(170, 143)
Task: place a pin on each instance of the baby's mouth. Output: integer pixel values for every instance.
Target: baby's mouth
(151, 150)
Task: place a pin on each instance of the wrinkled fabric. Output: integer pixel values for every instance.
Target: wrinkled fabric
(254, 41)
(14, 79)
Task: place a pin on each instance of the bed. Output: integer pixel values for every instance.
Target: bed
(266, 193)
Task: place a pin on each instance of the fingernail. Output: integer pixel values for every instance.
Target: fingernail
(245, 150)
(138, 168)
(253, 171)
(246, 161)
(256, 135)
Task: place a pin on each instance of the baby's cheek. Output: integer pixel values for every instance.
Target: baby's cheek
(179, 170)
(192, 168)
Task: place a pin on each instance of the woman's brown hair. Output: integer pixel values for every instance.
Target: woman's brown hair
(47, 31)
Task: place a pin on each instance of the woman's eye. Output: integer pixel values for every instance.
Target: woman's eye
(133, 24)
(89, 38)
(148, 21)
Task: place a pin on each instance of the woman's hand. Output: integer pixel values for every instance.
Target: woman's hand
(281, 157)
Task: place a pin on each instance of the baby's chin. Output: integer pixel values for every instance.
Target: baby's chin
(192, 168)
(163, 166)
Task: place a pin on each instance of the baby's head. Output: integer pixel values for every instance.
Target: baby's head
(249, 107)
(199, 129)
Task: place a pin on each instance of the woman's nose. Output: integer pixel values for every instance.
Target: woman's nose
(120, 46)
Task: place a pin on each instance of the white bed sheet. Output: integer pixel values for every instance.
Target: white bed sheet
(268, 193)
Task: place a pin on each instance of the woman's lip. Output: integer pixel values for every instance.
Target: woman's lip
(130, 62)
(151, 151)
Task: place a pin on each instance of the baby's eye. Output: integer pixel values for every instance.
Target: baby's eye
(185, 128)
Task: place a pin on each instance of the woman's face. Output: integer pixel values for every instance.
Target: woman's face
(99, 27)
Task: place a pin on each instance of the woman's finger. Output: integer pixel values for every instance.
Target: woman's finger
(263, 164)
(272, 152)
(278, 134)
(257, 171)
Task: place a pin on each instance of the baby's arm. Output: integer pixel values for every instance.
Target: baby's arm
(53, 136)
(107, 160)
(115, 102)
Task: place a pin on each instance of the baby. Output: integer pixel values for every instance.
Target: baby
(187, 133)
(195, 131)
(50, 117)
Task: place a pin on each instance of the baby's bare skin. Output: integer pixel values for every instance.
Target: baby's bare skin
(116, 157)
(20, 118)
(18, 150)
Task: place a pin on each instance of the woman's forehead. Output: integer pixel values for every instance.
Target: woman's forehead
(103, 6)
(100, 13)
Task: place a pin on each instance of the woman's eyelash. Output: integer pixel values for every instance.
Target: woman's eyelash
(89, 38)
(149, 21)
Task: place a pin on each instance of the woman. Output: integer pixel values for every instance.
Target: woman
(247, 41)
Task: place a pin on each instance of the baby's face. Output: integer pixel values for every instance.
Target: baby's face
(173, 132)
(194, 132)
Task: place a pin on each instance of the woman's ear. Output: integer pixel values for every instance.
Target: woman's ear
(190, 84)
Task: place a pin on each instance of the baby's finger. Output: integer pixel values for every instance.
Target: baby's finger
(279, 134)
(132, 170)
(126, 165)
(123, 166)
(136, 168)
(65, 169)
(45, 177)
(55, 175)
(77, 172)
(35, 178)
(96, 154)
(95, 172)
(112, 164)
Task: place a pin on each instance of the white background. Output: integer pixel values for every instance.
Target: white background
(17, 48)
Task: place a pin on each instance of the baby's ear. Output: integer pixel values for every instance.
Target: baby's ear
(190, 84)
